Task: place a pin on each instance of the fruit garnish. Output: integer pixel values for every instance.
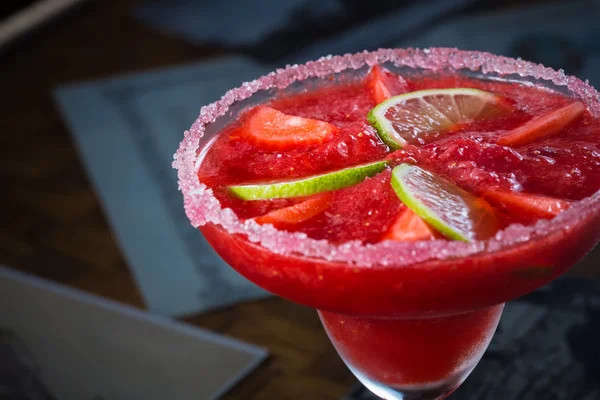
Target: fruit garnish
(300, 212)
(272, 129)
(409, 227)
(379, 92)
(411, 117)
(454, 212)
(310, 185)
(546, 125)
(383, 84)
(521, 203)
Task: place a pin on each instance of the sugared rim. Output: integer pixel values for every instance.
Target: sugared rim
(202, 207)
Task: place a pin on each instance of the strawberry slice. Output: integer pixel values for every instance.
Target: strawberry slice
(383, 84)
(519, 204)
(270, 128)
(300, 212)
(409, 227)
(547, 125)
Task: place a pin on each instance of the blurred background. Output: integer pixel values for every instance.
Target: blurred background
(96, 97)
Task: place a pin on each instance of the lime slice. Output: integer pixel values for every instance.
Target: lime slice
(310, 185)
(412, 117)
(455, 213)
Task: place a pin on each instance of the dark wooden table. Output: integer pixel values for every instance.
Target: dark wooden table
(53, 225)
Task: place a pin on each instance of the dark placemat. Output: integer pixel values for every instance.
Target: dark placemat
(295, 31)
(547, 347)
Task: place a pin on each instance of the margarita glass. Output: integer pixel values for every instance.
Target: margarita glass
(411, 319)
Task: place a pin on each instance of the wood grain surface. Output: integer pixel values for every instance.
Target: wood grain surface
(53, 225)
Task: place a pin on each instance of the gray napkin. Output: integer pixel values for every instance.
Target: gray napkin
(127, 129)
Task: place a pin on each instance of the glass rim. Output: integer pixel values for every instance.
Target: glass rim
(202, 207)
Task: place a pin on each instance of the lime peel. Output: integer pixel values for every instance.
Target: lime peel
(310, 185)
(456, 208)
(431, 110)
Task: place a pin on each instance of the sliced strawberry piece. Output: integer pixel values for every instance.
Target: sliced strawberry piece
(270, 128)
(379, 92)
(300, 212)
(520, 203)
(547, 125)
(383, 84)
(409, 227)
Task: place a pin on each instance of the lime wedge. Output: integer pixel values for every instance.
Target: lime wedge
(455, 213)
(309, 185)
(412, 117)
